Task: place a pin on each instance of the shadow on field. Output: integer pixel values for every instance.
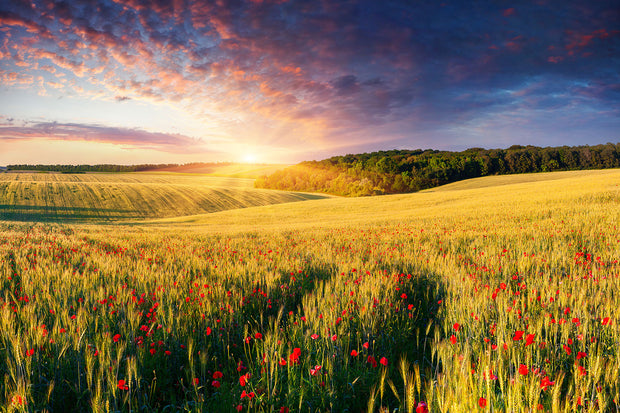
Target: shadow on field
(31, 213)
(395, 312)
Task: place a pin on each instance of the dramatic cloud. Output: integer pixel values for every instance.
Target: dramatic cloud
(325, 75)
(129, 138)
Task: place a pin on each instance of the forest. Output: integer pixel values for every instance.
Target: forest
(400, 171)
(72, 169)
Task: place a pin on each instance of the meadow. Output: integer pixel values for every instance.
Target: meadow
(495, 294)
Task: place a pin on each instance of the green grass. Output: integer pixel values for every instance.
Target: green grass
(113, 197)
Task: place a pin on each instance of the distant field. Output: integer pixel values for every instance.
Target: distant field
(239, 170)
(518, 195)
(78, 197)
(498, 294)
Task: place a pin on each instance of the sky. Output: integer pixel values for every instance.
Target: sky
(178, 81)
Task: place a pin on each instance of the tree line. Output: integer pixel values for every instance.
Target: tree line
(398, 171)
(108, 167)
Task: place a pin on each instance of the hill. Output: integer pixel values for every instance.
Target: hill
(494, 196)
(109, 197)
(401, 171)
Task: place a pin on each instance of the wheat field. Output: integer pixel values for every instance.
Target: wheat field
(497, 294)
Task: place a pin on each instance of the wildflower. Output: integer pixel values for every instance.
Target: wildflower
(196, 381)
(421, 408)
(284, 409)
(482, 402)
(453, 339)
(258, 336)
(218, 375)
(215, 384)
(121, 385)
(523, 370)
(456, 326)
(354, 353)
(243, 380)
(372, 361)
(383, 361)
(116, 338)
(529, 339)
(294, 356)
(518, 335)
(545, 383)
(282, 361)
(314, 336)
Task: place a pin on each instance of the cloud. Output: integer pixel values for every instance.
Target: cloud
(128, 138)
(320, 68)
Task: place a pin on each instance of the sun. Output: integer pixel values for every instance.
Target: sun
(249, 158)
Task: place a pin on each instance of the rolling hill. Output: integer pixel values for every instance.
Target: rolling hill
(109, 197)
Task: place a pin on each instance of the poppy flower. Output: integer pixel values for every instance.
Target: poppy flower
(121, 385)
(529, 339)
(523, 370)
(456, 326)
(482, 402)
(294, 356)
(453, 339)
(116, 338)
(218, 375)
(383, 361)
(354, 353)
(421, 408)
(518, 335)
(215, 384)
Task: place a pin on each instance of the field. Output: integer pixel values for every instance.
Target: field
(107, 197)
(496, 294)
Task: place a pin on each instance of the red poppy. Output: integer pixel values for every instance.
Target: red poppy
(354, 353)
(529, 339)
(523, 370)
(456, 326)
(482, 402)
(215, 384)
(294, 356)
(421, 408)
(121, 385)
(383, 361)
(518, 335)
(453, 339)
(116, 337)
